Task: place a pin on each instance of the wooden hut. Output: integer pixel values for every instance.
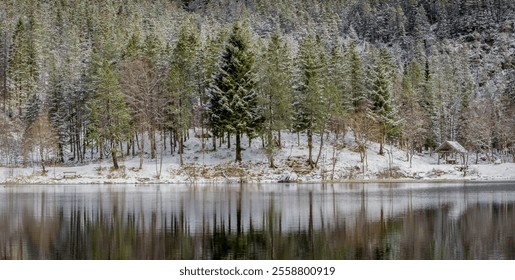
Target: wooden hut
(449, 150)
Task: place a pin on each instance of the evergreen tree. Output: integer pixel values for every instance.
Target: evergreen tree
(58, 106)
(412, 122)
(310, 97)
(336, 86)
(110, 117)
(32, 110)
(210, 65)
(183, 83)
(234, 103)
(152, 47)
(23, 67)
(133, 48)
(356, 80)
(276, 92)
(381, 94)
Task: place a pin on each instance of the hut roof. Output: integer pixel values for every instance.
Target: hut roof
(450, 147)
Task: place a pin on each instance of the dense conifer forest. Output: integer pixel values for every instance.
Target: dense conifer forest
(88, 80)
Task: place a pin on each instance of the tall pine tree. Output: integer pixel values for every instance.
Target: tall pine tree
(234, 103)
(383, 106)
(310, 98)
(110, 116)
(182, 84)
(276, 92)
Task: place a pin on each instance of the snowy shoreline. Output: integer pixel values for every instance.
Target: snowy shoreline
(59, 176)
(206, 183)
(338, 164)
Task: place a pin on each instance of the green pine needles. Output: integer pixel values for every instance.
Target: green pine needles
(234, 101)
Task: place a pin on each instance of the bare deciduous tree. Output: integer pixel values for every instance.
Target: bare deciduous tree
(140, 83)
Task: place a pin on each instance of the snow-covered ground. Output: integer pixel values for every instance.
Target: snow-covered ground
(291, 164)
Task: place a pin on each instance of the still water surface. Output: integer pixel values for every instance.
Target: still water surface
(271, 221)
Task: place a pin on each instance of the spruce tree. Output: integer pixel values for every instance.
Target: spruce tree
(32, 110)
(58, 99)
(183, 84)
(381, 93)
(234, 103)
(23, 67)
(337, 85)
(413, 122)
(110, 117)
(211, 55)
(310, 100)
(276, 91)
(356, 79)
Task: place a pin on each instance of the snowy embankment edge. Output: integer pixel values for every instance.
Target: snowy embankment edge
(339, 163)
(55, 176)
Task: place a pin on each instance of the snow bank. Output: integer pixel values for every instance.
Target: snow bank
(339, 161)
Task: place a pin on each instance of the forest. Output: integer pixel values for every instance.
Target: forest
(87, 80)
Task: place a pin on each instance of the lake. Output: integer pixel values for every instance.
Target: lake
(472, 220)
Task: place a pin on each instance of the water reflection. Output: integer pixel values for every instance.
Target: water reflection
(345, 221)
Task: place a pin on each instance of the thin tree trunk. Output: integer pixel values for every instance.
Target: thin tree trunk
(381, 140)
(142, 148)
(41, 155)
(310, 148)
(152, 144)
(133, 149)
(321, 146)
(121, 150)
(181, 148)
(171, 142)
(113, 154)
(270, 149)
(238, 147)
(128, 152)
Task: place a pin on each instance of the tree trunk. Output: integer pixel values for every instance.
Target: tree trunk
(41, 155)
(171, 142)
(152, 144)
(270, 149)
(381, 141)
(238, 147)
(310, 148)
(321, 146)
(60, 152)
(128, 148)
(115, 159)
(133, 150)
(142, 149)
(181, 148)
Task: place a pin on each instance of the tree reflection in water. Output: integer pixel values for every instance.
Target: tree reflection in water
(242, 224)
